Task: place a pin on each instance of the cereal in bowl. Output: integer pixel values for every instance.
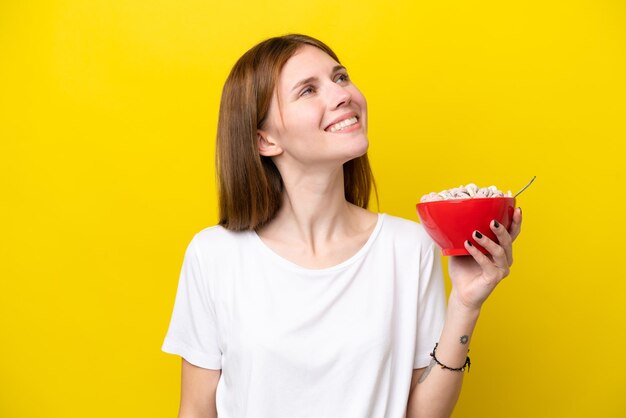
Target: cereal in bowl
(465, 192)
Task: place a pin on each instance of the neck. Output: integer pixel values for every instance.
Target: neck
(314, 209)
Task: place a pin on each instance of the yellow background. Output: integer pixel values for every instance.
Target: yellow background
(108, 113)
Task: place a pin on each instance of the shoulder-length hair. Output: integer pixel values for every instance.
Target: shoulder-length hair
(250, 185)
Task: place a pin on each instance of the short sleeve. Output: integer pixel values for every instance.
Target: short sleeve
(431, 308)
(192, 331)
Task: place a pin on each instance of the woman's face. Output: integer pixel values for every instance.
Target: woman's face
(317, 116)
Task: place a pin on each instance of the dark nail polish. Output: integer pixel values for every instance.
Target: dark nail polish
(478, 235)
(469, 243)
(495, 224)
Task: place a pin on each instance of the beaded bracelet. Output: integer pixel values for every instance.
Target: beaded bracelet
(443, 366)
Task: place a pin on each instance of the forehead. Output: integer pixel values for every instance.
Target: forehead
(308, 61)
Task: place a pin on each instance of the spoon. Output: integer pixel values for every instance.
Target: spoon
(525, 187)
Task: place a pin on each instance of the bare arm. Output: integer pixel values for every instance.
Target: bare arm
(198, 387)
(434, 390)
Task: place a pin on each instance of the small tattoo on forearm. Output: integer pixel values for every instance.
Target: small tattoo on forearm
(426, 372)
(464, 339)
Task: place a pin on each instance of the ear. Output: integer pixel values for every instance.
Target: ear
(267, 146)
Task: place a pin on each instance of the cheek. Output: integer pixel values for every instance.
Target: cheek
(303, 119)
(359, 98)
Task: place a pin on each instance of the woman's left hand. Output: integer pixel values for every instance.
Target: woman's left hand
(474, 278)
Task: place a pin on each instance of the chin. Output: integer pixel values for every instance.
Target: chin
(362, 146)
(358, 149)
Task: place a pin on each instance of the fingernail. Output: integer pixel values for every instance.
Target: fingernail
(520, 211)
(469, 243)
(478, 235)
(495, 224)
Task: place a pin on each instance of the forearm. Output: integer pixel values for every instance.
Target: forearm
(436, 392)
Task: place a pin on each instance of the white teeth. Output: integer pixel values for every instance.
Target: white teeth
(343, 124)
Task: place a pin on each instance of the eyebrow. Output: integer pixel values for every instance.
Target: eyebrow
(311, 79)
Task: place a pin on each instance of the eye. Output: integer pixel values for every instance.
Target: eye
(307, 91)
(342, 78)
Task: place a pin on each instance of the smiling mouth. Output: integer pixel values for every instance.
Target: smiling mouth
(343, 124)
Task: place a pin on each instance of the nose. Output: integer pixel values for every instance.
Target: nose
(341, 96)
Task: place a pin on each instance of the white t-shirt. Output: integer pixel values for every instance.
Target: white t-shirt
(292, 342)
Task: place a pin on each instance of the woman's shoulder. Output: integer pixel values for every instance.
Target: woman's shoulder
(403, 225)
(217, 239)
(406, 230)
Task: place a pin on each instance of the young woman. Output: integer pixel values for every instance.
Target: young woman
(301, 302)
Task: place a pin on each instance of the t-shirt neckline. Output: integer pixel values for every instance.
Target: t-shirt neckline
(291, 265)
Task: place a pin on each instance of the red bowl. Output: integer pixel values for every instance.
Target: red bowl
(450, 222)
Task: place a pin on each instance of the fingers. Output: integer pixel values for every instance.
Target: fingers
(491, 273)
(516, 224)
(497, 251)
(480, 258)
(505, 240)
(495, 270)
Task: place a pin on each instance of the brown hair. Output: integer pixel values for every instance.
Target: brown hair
(250, 185)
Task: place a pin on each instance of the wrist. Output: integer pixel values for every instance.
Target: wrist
(457, 307)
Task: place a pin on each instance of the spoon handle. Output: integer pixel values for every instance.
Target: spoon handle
(525, 187)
